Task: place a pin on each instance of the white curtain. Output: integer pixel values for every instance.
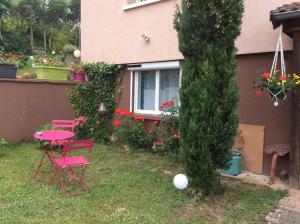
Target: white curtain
(169, 86)
(146, 95)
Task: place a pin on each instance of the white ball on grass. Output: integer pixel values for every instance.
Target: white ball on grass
(180, 181)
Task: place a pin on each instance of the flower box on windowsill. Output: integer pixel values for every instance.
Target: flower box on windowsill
(52, 73)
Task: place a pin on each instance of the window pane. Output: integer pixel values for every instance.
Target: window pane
(169, 86)
(146, 90)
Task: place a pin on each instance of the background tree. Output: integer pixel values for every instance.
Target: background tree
(209, 95)
(4, 10)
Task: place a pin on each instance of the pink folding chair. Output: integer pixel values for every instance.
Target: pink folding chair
(68, 163)
(63, 125)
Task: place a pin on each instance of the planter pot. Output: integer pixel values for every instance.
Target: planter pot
(277, 94)
(78, 76)
(52, 73)
(8, 71)
(235, 164)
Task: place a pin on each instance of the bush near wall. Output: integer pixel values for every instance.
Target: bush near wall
(85, 99)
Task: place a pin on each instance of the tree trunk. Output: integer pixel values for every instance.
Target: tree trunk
(45, 41)
(31, 38)
(50, 42)
(1, 37)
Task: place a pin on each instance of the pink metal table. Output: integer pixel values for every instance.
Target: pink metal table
(50, 136)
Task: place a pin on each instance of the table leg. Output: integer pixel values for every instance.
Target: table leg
(40, 165)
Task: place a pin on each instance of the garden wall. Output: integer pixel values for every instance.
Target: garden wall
(27, 104)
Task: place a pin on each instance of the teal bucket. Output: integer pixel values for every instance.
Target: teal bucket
(235, 163)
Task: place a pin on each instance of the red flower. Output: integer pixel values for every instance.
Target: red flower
(266, 75)
(116, 123)
(150, 132)
(156, 122)
(258, 92)
(118, 110)
(282, 78)
(139, 118)
(167, 103)
(122, 113)
(130, 114)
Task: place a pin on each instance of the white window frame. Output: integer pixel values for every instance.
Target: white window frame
(135, 73)
(156, 66)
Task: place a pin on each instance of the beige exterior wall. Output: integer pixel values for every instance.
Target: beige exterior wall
(112, 34)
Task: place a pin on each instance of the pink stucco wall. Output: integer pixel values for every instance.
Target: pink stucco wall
(112, 34)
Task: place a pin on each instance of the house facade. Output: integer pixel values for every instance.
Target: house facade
(140, 35)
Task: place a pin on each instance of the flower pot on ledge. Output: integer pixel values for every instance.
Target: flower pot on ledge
(51, 73)
(78, 76)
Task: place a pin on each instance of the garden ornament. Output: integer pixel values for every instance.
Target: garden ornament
(180, 181)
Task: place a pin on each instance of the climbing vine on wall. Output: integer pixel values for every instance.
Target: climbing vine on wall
(85, 98)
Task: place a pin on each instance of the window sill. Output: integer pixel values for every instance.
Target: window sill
(140, 4)
(149, 116)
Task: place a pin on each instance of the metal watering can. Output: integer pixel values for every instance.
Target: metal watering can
(236, 163)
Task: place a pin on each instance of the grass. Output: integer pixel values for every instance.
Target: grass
(125, 187)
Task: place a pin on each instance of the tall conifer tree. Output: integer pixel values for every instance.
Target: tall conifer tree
(209, 96)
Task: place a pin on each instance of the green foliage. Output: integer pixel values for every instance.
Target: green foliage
(95, 127)
(69, 49)
(45, 127)
(85, 98)
(209, 95)
(25, 24)
(60, 39)
(134, 134)
(169, 129)
(2, 141)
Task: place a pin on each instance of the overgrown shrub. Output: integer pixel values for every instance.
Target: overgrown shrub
(209, 95)
(96, 127)
(130, 130)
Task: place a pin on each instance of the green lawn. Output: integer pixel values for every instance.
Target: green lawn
(125, 187)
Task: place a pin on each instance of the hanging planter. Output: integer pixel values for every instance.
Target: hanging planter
(277, 82)
(277, 93)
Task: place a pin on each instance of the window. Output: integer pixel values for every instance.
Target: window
(154, 87)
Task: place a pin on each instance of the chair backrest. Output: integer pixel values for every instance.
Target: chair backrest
(63, 124)
(87, 144)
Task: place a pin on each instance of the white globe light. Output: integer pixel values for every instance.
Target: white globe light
(276, 103)
(76, 53)
(180, 181)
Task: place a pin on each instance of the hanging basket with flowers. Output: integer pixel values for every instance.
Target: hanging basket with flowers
(277, 82)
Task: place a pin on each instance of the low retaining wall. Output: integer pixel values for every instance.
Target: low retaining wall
(27, 104)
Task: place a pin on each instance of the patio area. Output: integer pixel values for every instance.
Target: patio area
(124, 187)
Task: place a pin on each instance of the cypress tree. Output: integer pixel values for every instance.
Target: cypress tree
(209, 95)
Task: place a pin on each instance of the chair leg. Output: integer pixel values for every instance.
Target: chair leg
(54, 175)
(39, 166)
(82, 179)
(61, 181)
